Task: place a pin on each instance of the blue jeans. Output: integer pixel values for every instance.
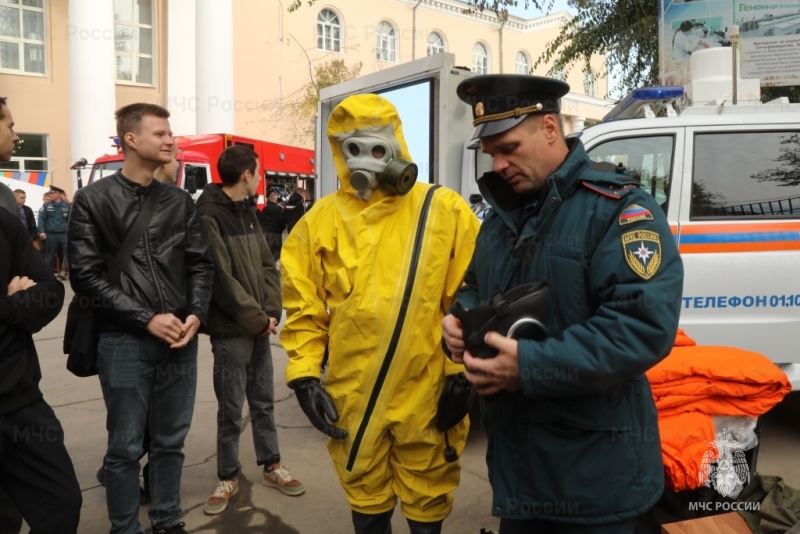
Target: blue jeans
(243, 368)
(137, 375)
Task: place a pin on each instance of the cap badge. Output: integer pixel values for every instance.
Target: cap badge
(479, 109)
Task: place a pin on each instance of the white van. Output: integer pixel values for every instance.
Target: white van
(728, 179)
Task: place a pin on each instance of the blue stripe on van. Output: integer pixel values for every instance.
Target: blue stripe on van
(758, 237)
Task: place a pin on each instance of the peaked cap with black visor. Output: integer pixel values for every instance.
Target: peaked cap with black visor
(501, 101)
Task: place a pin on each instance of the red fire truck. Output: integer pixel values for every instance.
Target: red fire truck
(282, 166)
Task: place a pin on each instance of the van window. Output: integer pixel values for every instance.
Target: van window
(647, 159)
(746, 174)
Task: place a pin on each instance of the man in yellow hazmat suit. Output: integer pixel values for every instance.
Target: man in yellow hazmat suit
(367, 275)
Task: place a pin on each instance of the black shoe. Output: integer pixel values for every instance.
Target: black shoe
(174, 529)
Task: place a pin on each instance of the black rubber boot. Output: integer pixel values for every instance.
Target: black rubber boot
(373, 523)
(424, 528)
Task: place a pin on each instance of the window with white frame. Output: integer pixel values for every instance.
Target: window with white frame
(29, 155)
(22, 39)
(522, 64)
(590, 83)
(435, 43)
(134, 40)
(480, 58)
(558, 74)
(329, 31)
(386, 46)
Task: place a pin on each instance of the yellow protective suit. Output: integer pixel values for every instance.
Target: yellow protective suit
(344, 270)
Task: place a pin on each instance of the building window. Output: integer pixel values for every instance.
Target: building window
(22, 36)
(558, 74)
(29, 155)
(134, 41)
(522, 64)
(590, 83)
(435, 44)
(386, 47)
(329, 31)
(480, 59)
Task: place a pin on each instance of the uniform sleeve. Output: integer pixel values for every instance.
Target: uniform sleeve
(228, 293)
(42, 218)
(305, 334)
(634, 283)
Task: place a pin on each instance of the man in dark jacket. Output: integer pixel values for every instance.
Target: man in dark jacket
(148, 320)
(27, 217)
(245, 310)
(573, 436)
(295, 208)
(273, 222)
(35, 470)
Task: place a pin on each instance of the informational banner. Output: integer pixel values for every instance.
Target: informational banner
(770, 37)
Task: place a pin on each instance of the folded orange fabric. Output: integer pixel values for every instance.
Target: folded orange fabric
(697, 381)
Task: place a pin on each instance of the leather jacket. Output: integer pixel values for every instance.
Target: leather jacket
(170, 271)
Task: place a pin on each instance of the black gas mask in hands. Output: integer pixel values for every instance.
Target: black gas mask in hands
(519, 313)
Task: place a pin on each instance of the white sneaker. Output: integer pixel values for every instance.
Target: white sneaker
(217, 502)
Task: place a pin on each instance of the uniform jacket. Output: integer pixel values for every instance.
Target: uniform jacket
(22, 314)
(579, 442)
(53, 217)
(170, 270)
(246, 282)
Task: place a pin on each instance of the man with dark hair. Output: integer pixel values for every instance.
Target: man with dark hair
(53, 229)
(573, 441)
(245, 310)
(36, 471)
(147, 320)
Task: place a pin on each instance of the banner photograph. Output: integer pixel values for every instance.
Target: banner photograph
(769, 33)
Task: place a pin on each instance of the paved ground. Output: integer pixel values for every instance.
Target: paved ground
(323, 509)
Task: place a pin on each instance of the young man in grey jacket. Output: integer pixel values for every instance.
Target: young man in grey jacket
(245, 310)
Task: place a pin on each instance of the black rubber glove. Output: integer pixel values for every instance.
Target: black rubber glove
(317, 405)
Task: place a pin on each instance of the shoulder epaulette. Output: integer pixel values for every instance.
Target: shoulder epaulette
(610, 190)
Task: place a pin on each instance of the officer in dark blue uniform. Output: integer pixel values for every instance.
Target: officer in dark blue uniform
(573, 442)
(53, 219)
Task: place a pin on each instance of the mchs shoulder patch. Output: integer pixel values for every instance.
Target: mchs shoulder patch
(642, 249)
(634, 213)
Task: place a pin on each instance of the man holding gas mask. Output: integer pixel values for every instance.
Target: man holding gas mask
(573, 443)
(367, 275)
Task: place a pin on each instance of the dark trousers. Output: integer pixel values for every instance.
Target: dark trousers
(10, 518)
(275, 243)
(37, 472)
(534, 526)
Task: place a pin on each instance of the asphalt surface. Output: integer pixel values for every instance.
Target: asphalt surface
(322, 509)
